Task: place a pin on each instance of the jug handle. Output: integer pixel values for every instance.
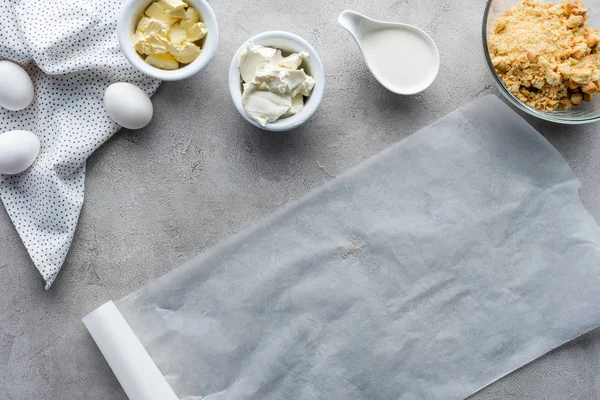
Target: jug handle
(351, 21)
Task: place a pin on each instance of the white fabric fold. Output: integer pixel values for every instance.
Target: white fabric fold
(70, 50)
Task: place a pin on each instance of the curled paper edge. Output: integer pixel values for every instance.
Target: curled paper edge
(130, 362)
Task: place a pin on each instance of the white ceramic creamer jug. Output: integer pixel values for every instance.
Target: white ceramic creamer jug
(403, 58)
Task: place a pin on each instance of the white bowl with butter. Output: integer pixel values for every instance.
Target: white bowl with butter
(131, 13)
(289, 44)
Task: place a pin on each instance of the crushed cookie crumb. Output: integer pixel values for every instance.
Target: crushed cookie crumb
(354, 248)
(546, 54)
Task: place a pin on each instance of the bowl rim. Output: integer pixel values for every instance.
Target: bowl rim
(124, 22)
(316, 70)
(516, 102)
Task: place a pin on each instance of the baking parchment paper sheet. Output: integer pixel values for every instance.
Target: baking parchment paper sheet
(428, 272)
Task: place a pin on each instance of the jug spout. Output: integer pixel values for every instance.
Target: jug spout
(351, 21)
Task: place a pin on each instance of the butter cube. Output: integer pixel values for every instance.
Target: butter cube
(148, 25)
(172, 4)
(163, 61)
(151, 44)
(190, 18)
(197, 31)
(138, 39)
(177, 34)
(176, 13)
(155, 10)
(185, 52)
(158, 12)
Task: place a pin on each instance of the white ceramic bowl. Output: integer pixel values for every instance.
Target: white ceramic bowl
(288, 43)
(132, 11)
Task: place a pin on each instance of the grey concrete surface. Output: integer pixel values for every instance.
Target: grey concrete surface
(199, 173)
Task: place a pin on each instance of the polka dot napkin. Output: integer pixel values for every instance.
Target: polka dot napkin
(70, 50)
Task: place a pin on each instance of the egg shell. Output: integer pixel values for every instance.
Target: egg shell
(18, 151)
(128, 105)
(16, 88)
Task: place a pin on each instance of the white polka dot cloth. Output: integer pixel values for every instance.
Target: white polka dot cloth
(70, 50)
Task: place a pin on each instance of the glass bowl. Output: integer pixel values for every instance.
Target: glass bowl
(583, 113)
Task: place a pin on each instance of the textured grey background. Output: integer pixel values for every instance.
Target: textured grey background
(199, 173)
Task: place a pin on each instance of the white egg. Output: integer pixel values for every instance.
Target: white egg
(18, 151)
(128, 105)
(16, 88)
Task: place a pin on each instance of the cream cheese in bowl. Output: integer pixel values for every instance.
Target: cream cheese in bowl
(276, 81)
(274, 86)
